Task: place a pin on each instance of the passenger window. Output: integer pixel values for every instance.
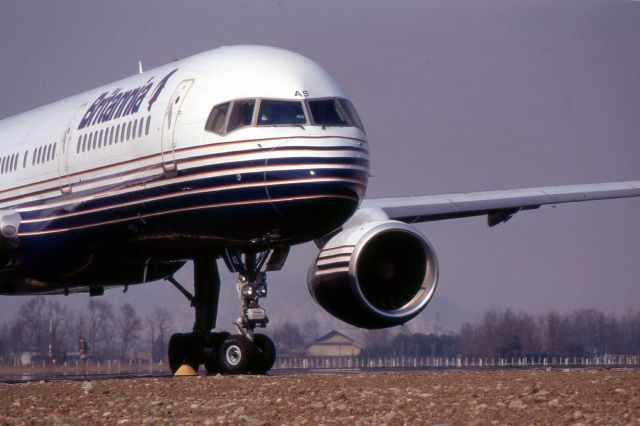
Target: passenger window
(146, 129)
(241, 114)
(215, 122)
(79, 142)
(128, 130)
(122, 132)
(280, 113)
(4, 159)
(140, 128)
(24, 160)
(133, 132)
(117, 134)
(327, 113)
(84, 142)
(100, 139)
(53, 151)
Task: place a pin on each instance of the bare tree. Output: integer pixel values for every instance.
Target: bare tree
(100, 326)
(589, 330)
(555, 333)
(32, 325)
(129, 327)
(7, 344)
(376, 342)
(160, 323)
(58, 338)
(630, 332)
(311, 330)
(288, 337)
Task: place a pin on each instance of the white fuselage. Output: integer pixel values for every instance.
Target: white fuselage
(137, 162)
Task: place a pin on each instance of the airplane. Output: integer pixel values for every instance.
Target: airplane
(237, 153)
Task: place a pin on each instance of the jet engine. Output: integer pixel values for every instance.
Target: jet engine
(375, 275)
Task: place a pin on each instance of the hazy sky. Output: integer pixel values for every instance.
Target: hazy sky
(455, 95)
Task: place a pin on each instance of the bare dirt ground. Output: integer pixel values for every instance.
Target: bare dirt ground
(599, 396)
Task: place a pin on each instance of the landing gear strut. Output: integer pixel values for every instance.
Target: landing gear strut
(245, 352)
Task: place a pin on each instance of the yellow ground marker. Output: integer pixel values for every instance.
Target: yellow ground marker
(185, 370)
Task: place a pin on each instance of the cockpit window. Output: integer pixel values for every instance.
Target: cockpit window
(351, 112)
(241, 115)
(280, 113)
(236, 114)
(218, 115)
(326, 112)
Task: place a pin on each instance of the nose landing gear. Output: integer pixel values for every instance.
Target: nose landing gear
(244, 352)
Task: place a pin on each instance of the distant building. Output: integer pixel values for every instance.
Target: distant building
(334, 343)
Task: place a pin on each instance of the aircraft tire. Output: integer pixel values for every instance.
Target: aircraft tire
(236, 354)
(212, 361)
(175, 352)
(265, 355)
(183, 349)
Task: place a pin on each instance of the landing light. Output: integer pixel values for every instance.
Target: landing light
(247, 291)
(261, 291)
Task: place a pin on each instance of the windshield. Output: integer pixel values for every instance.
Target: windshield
(226, 117)
(280, 112)
(216, 120)
(241, 114)
(347, 106)
(326, 112)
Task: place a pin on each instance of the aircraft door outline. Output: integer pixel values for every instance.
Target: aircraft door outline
(64, 151)
(169, 125)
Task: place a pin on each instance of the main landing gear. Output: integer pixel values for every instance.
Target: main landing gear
(244, 352)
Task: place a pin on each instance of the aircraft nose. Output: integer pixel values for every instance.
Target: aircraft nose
(317, 182)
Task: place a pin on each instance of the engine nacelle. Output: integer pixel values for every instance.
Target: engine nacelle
(375, 275)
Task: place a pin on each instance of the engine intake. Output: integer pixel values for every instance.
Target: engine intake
(376, 275)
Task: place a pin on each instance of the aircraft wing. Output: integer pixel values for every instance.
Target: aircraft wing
(499, 206)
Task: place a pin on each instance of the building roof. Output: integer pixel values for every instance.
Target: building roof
(335, 337)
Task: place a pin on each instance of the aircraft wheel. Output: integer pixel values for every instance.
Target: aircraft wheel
(183, 349)
(236, 354)
(265, 355)
(212, 354)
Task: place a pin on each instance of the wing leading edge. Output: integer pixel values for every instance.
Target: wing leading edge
(499, 206)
